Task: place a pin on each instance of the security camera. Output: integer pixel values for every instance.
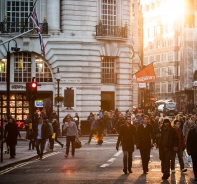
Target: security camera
(16, 49)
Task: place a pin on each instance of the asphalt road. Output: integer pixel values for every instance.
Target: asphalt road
(91, 164)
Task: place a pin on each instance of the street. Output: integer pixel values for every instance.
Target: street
(91, 164)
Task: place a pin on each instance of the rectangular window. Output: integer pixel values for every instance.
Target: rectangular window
(169, 87)
(109, 15)
(170, 56)
(2, 71)
(157, 87)
(108, 70)
(164, 72)
(163, 87)
(157, 72)
(17, 13)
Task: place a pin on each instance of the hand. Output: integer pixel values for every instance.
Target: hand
(175, 149)
(117, 147)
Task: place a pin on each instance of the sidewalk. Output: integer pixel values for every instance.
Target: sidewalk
(22, 154)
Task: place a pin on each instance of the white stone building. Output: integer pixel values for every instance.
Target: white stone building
(90, 41)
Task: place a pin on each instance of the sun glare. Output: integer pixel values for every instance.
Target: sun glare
(172, 10)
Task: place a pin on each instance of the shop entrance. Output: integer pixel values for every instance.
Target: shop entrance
(107, 100)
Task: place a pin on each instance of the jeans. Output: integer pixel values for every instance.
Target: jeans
(12, 150)
(127, 160)
(194, 160)
(91, 134)
(145, 156)
(70, 139)
(40, 143)
(180, 157)
(166, 156)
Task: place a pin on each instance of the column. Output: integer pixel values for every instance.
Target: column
(53, 16)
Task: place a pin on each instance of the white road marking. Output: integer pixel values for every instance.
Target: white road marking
(118, 153)
(111, 159)
(25, 163)
(104, 165)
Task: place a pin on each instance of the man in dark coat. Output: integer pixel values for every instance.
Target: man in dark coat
(192, 147)
(127, 137)
(145, 139)
(41, 134)
(10, 134)
(168, 144)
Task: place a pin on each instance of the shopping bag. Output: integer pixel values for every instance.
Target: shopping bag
(53, 136)
(47, 146)
(78, 143)
(189, 158)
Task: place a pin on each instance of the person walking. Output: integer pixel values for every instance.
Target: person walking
(41, 134)
(11, 133)
(168, 144)
(145, 138)
(181, 147)
(50, 133)
(192, 148)
(72, 133)
(93, 127)
(127, 137)
(55, 130)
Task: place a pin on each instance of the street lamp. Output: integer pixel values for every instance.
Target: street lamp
(8, 74)
(58, 77)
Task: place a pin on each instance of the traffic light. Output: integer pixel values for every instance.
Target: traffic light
(33, 88)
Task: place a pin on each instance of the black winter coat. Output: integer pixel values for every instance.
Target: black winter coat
(127, 137)
(192, 141)
(144, 136)
(44, 131)
(173, 140)
(11, 133)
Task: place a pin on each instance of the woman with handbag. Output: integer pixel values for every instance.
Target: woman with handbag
(72, 133)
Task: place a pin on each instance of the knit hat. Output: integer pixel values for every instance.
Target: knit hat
(166, 121)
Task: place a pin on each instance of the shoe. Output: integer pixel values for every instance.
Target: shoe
(12, 157)
(125, 171)
(184, 170)
(87, 143)
(193, 179)
(66, 156)
(130, 171)
(62, 145)
(145, 172)
(40, 158)
(29, 149)
(165, 176)
(173, 171)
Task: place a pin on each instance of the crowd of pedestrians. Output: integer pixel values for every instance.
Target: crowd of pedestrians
(135, 131)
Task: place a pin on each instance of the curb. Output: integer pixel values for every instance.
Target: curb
(20, 161)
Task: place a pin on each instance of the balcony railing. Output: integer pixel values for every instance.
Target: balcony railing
(115, 31)
(20, 27)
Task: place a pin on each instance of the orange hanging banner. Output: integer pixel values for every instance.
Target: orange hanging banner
(147, 74)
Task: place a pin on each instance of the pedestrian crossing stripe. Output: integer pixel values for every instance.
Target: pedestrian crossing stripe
(25, 163)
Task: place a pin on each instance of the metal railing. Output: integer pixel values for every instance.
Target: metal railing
(20, 27)
(116, 31)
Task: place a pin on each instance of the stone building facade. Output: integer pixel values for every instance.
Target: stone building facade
(90, 41)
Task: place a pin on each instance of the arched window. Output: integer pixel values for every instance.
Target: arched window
(2, 71)
(43, 73)
(26, 66)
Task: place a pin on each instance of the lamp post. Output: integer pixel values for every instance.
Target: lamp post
(8, 74)
(58, 77)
